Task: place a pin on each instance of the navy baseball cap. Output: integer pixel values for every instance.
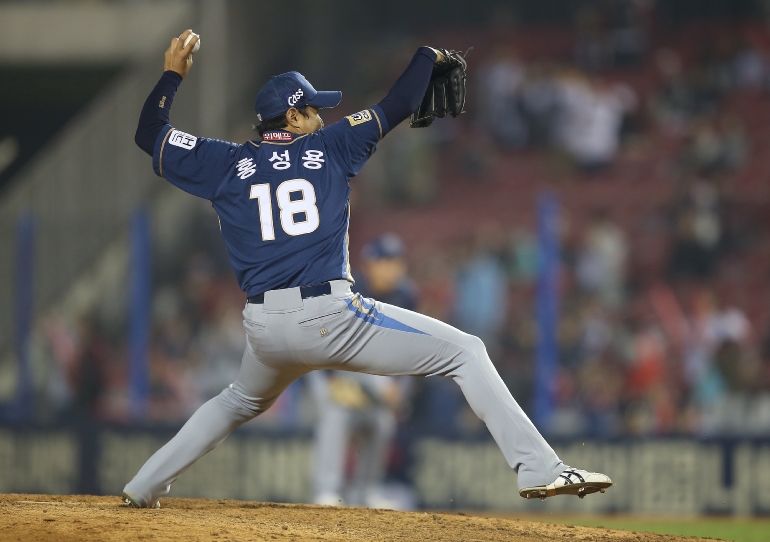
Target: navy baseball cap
(291, 89)
(387, 245)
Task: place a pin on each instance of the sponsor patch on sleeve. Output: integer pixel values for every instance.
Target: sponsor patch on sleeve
(181, 139)
(360, 117)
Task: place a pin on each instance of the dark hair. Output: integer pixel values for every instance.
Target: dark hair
(276, 123)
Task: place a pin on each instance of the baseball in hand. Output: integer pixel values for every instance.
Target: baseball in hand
(196, 46)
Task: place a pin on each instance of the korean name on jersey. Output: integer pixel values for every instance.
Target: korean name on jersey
(283, 202)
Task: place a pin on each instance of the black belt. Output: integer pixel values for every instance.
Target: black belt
(315, 290)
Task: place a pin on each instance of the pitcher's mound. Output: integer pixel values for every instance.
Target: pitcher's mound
(85, 518)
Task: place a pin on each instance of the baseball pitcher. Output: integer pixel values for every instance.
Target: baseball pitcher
(283, 204)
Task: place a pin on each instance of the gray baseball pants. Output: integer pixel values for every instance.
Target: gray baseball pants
(288, 336)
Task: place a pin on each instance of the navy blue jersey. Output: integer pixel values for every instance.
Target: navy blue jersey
(283, 203)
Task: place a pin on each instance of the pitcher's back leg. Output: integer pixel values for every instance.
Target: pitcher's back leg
(255, 390)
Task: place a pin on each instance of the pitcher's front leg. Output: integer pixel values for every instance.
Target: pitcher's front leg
(377, 338)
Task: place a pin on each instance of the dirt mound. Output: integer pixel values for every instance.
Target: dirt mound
(84, 518)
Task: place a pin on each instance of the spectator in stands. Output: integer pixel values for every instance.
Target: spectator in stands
(520, 338)
(522, 259)
(593, 49)
(88, 373)
(610, 34)
(571, 336)
(602, 383)
(690, 256)
(727, 324)
(715, 145)
(707, 90)
(173, 325)
(539, 97)
(575, 99)
(735, 144)
(173, 358)
(569, 418)
(596, 330)
(435, 278)
(701, 373)
(61, 348)
(672, 104)
(726, 375)
(591, 120)
(744, 407)
(628, 32)
(652, 405)
(750, 68)
(500, 111)
(602, 260)
(704, 152)
(482, 288)
(716, 59)
(698, 229)
(220, 342)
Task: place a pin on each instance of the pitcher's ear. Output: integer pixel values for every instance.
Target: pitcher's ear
(292, 116)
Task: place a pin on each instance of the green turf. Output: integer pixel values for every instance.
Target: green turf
(740, 530)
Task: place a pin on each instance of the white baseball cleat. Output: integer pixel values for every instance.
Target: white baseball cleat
(133, 503)
(570, 482)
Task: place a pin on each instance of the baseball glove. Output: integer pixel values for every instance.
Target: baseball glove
(446, 90)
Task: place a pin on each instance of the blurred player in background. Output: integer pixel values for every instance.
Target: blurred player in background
(362, 403)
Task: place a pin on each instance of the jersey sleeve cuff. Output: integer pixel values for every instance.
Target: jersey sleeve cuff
(430, 52)
(172, 76)
(381, 120)
(157, 154)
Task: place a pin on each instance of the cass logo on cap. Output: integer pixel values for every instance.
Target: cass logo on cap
(294, 98)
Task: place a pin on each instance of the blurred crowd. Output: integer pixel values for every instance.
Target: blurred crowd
(195, 347)
(639, 355)
(670, 359)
